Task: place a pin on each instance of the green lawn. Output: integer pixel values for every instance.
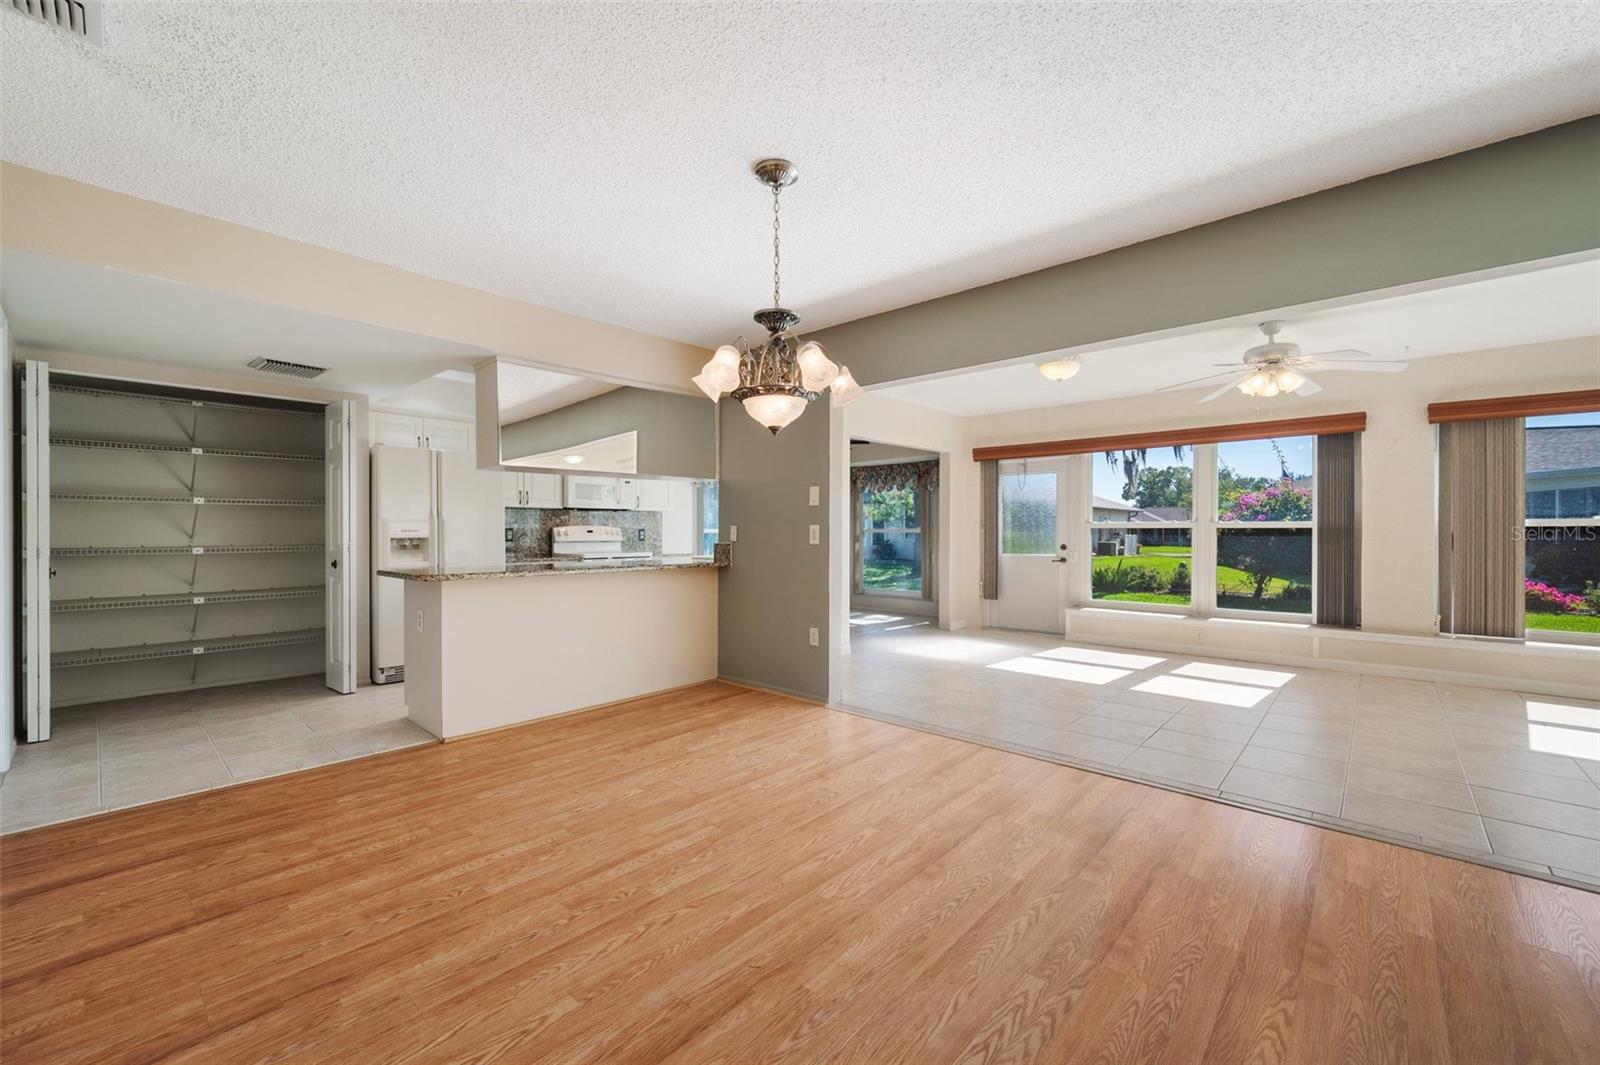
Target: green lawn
(1234, 586)
(893, 575)
(1564, 622)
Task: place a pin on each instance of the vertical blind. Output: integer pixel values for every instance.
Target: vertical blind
(989, 528)
(1480, 527)
(1338, 580)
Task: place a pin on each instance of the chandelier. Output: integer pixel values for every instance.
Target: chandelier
(776, 379)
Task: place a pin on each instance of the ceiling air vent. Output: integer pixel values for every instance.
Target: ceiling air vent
(288, 369)
(80, 18)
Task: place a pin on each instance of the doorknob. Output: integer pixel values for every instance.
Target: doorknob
(334, 563)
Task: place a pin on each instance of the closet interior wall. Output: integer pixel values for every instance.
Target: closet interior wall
(186, 539)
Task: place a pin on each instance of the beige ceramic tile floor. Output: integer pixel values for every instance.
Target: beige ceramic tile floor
(107, 756)
(1490, 775)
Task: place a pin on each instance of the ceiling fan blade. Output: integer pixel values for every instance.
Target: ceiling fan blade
(1220, 392)
(1308, 388)
(1342, 353)
(1363, 367)
(1181, 385)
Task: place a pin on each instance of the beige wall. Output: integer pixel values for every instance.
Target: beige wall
(1397, 453)
(51, 215)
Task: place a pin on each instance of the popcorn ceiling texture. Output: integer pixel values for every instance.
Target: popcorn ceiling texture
(593, 158)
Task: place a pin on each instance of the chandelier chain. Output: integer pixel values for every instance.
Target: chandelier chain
(776, 302)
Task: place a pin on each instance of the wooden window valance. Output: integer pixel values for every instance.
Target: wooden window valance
(1353, 422)
(891, 476)
(1475, 410)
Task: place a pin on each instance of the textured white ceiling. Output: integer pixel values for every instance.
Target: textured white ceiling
(594, 158)
(1526, 308)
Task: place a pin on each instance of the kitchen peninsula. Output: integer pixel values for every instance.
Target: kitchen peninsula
(492, 646)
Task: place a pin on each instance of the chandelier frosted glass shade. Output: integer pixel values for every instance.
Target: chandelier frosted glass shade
(775, 410)
(817, 371)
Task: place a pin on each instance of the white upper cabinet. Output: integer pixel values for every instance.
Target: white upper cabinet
(531, 490)
(411, 430)
(443, 434)
(396, 430)
(654, 495)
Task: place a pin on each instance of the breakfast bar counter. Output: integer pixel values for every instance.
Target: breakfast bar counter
(485, 647)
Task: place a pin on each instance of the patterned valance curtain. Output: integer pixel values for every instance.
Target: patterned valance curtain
(891, 476)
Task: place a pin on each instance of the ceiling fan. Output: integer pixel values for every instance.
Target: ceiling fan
(1277, 367)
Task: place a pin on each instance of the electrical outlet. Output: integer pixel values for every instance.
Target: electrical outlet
(816, 496)
(419, 621)
(813, 636)
(733, 534)
(814, 534)
(641, 536)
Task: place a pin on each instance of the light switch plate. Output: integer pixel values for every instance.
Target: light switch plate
(816, 495)
(813, 636)
(733, 534)
(813, 534)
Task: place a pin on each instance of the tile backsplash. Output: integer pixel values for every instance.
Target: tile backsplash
(530, 529)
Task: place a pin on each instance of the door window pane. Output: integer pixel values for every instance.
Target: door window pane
(1266, 480)
(891, 541)
(1264, 569)
(1144, 564)
(1028, 513)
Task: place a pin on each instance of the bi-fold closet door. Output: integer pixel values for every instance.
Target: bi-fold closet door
(172, 541)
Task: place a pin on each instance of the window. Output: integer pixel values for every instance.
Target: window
(891, 541)
(1265, 492)
(705, 503)
(1561, 530)
(1027, 512)
(1141, 533)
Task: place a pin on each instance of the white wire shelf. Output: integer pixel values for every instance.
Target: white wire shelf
(180, 449)
(184, 649)
(177, 401)
(183, 501)
(136, 602)
(184, 549)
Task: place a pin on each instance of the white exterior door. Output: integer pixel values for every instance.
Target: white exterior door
(35, 575)
(1038, 565)
(339, 635)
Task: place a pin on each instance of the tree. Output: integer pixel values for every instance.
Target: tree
(1280, 501)
(1134, 463)
(1170, 486)
(1262, 555)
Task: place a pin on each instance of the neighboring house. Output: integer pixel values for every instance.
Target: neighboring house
(1124, 541)
(1563, 464)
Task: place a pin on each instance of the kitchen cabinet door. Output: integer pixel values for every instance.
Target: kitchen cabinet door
(442, 434)
(396, 430)
(543, 489)
(511, 489)
(654, 495)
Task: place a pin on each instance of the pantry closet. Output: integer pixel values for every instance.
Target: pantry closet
(177, 539)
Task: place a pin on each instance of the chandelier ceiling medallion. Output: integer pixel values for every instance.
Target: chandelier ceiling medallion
(776, 379)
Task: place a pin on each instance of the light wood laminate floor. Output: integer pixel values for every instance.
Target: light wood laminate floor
(724, 875)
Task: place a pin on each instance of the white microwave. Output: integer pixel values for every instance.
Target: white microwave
(600, 493)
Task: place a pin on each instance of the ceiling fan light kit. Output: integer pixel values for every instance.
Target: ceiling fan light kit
(1275, 369)
(777, 379)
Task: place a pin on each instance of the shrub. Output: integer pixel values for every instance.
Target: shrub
(1543, 599)
(1122, 577)
(1180, 579)
(1591, 598)
(1282, 501)
(1297, 593)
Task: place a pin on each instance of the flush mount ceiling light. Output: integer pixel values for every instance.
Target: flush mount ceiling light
(1060, 369)
(572, 460)
(778, 378)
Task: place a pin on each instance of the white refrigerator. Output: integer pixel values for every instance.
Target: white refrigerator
(429, 508)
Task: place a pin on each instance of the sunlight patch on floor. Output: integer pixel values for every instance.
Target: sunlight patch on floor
(1057, 670)
(1264, 678)
(1095, 657)
(1204, 691)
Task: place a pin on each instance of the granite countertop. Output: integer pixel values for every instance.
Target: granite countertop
(546, 567)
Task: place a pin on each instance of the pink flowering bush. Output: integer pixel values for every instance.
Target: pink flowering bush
(1283, 501)
(1543, 599)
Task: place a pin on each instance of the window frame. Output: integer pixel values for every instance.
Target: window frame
(1205, 526)
(923, 499)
